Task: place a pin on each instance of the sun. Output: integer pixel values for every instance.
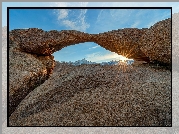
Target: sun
(123, 59)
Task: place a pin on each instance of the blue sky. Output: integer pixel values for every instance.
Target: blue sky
(85, 20)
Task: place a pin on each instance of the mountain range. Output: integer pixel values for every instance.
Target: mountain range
(84, 61)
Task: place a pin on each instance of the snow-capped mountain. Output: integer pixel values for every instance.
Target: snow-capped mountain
(84, 61)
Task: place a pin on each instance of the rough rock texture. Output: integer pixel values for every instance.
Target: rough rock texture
(123, 42)
(26, 72)
(156, 42)
(140, 44)
(95, 95)
(32, 102)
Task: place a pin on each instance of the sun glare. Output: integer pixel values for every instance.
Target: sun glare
(123, 59)
(125, 64)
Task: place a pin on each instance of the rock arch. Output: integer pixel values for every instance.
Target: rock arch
(140, 44)
(31, 62)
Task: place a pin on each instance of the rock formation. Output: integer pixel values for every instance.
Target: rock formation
(26, 72)
(140, 44)
(156, 42)
(31, 64)
(95, 95)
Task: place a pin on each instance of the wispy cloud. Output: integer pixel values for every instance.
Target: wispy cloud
(72, 19)
(99, 57)
(99, 15)
(93, 55)
(94, 47)
(63, 13)
(135, 24)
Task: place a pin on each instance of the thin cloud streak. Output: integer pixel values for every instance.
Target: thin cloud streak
(63, 18)
(62, 14)
(94, 47)
(135, 24)
(98, 57)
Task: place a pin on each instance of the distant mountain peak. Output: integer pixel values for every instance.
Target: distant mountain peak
(84, 61)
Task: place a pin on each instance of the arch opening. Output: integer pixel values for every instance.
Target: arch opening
(89, 53)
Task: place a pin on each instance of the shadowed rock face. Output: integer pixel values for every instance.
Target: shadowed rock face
(26, 72)
(31, 62)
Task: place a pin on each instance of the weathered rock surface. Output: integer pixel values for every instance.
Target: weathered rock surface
(26, 72)
(95, 95)
(156, 42)
(32, 102)
(123, 42)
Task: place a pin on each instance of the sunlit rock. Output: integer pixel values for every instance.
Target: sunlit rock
(121, 95)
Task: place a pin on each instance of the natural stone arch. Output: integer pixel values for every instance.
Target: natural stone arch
(31, 62)
(131, 42)
(122, 41)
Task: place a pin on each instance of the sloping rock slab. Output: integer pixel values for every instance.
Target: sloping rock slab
(95, 95)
